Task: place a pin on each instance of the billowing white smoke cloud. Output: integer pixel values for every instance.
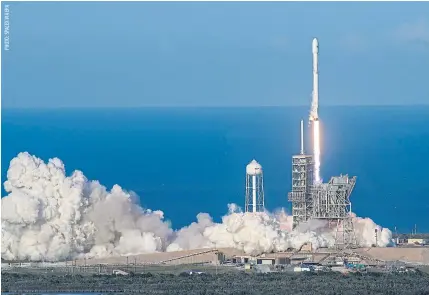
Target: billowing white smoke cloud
(250, 232)
(265, 232)
(48, 216)
(365, 233)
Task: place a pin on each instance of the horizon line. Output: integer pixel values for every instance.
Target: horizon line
(204, 107)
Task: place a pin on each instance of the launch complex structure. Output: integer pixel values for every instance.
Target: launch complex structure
(311, 199)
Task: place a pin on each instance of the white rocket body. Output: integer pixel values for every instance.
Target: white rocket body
(314, 112)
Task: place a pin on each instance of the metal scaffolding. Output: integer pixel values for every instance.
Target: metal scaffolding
(302, 181)
(331, 202)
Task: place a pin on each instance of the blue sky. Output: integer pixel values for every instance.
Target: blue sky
(111, 54)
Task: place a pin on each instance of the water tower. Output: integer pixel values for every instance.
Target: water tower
(254, 188)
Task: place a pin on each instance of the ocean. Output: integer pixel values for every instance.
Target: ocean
(189, 160)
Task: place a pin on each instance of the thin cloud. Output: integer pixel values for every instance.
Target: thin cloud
(414, 32)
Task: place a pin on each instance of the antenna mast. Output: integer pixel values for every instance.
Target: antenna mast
(302, 137)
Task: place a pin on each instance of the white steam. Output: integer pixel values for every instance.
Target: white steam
(257, 233)
(49, 216)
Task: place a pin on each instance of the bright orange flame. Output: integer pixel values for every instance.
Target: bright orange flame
(316, 152)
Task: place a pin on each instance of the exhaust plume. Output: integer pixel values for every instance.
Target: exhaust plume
(50, 216)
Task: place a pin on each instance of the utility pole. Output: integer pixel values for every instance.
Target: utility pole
(376, 238)
(396, 236)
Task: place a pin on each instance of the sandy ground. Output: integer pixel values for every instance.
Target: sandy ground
(189, 256)
(411, 255)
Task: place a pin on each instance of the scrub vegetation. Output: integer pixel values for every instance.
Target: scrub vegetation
(232, 283)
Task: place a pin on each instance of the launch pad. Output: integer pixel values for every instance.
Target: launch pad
(311, 199)
(323, 201)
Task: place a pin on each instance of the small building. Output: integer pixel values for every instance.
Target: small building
(269, 261)
(241, 259)
(401, 241)
(418, 241)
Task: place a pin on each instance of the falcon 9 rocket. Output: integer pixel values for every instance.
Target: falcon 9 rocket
(314, 112)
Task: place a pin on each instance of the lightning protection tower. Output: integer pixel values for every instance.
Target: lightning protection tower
(302, 181)
(254, 188)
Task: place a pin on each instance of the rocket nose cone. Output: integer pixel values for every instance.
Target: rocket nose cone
(315, 45)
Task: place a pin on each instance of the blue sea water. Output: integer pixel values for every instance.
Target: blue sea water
(189, 160)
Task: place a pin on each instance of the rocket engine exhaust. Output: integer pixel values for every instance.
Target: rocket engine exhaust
(316, 147)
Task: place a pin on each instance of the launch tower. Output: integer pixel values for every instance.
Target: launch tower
(302, 181)
(254, 201)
